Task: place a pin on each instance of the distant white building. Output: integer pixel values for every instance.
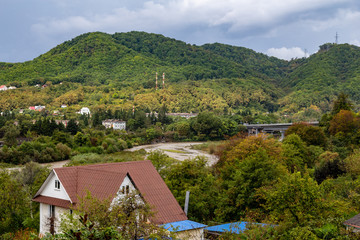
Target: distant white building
(3, 88)
(114, 124)
(63, 106)
(39, 108)
(85, 110)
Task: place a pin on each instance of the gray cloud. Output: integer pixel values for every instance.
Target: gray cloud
(261, 25)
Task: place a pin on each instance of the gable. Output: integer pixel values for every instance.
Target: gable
(105, 180)
(48, 189)
(100, 183)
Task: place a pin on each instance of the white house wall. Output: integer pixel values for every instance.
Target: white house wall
(125, 182)
(50, 191)
(45, 215)
(193, 234)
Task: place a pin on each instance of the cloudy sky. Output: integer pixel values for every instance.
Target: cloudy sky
(281, 28)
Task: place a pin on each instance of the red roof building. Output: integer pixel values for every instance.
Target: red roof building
(64, 187)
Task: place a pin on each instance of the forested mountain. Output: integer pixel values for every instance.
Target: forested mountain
(318, 79)
(122, 66)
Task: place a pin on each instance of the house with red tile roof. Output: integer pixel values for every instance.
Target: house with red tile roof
(65, 186)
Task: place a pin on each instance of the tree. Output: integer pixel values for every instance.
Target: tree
(72, 127)
(13, 201)
(161, 162)
(11, 132)
(256, 171)
(207, 126)
(345, 122)
(193, 175)
(296, 199)
(295, 153)
(342, 103)
(310, 134)
(129, 215)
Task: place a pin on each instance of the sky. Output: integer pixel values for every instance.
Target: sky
(282, 28)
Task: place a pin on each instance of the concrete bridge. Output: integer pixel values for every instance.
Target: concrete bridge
(255, 129)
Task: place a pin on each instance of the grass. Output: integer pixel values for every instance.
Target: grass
(209, 147)
(91, 158)
(174, 151)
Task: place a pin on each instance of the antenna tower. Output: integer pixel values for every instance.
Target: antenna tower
(336, 38)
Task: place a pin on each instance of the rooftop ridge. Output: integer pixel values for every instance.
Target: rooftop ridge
(103, 164)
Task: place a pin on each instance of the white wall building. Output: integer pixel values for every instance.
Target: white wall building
(65, 186)
(114, 124)
(85, 110)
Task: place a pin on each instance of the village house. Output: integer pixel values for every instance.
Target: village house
(3, 88)
(37, 108)
(64, 186)
(114, 124)
(84, 110)
(353, 223)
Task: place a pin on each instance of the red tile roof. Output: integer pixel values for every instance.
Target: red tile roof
(104, 180)
(52, 201)
(354, 221)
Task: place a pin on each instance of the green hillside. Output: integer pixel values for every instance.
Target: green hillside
(320, 78)
(214, 77)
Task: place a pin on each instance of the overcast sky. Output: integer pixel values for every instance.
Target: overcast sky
(281, 28)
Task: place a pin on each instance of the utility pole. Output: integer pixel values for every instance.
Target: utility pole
(163, 80)
(156, 82)
(186, 206)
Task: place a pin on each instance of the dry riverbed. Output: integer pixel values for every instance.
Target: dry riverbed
(179, 151)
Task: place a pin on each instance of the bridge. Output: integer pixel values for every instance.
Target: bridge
(255, 129)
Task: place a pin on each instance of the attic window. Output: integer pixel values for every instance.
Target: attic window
(125, 189)
(57, 184)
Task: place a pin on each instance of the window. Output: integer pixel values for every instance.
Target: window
(57, 184)
(52, 211)
(125, 189)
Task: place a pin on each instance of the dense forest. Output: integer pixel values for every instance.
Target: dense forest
(118, 71)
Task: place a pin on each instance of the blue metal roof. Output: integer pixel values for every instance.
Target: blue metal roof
(182, 226)
(236, 227)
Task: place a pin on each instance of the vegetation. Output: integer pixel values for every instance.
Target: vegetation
(304, 187)
(118, 71)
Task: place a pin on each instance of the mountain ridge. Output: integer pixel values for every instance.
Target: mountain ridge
(131, 59)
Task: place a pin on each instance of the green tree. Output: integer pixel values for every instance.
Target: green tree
(72, 127)
(130, 216)
(310, 134)
(296, 199)
(342, 103)
(256, 171)
(14, 206)
(11, 132)
(207, 126)
(195, 176)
